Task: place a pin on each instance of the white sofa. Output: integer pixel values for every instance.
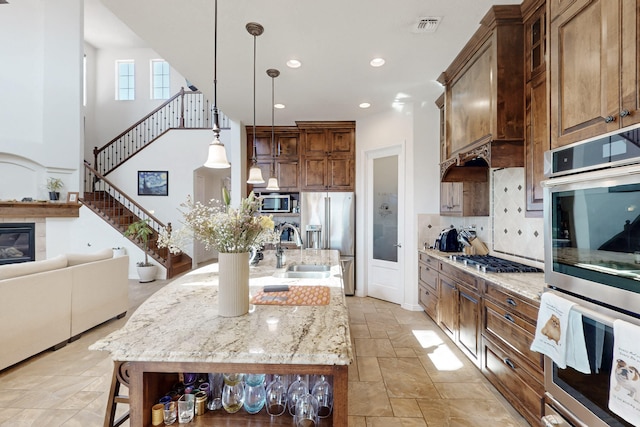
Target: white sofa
(48, 303)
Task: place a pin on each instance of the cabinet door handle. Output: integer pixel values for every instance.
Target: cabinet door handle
(509, 363)
(609, 119)
(509, 318)
(624, 113)
(511, 302)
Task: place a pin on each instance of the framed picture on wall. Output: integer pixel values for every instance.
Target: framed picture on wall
(153, 183)
(72, 197)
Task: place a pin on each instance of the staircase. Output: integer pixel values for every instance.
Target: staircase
(119, 211)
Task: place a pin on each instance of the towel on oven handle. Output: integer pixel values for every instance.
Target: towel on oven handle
(624, 390)
(559, 333)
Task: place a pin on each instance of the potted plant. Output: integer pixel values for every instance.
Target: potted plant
(53, 186)
(142, 231)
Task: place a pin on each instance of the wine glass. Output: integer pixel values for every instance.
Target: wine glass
(276, 399)
(297, 389)
(306, 411)
(254, 393)
(323, 393)
(233, 393)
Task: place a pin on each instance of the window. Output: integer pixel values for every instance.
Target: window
(159, 79)
(126, 86)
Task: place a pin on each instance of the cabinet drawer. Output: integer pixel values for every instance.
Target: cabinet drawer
(460, 275)
(429, 301)
(429, 276)
(511, 302)
(506, 373)
(428, 259)
(515, 332)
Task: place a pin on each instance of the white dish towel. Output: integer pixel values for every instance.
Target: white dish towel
(624, 391)
(559, 333)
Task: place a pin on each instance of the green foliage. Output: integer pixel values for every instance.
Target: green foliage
(54, 184)
(142, 231)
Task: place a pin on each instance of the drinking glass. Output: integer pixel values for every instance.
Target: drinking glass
(306, 411)
(233, 393)
(170, 413)
(216, 382)
(186, 405)
(276, 399)
(323, 393)
(297, 389)
(254, 393)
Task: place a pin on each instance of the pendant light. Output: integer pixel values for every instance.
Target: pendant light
(217, 157)
(255, 174)
(272, 185)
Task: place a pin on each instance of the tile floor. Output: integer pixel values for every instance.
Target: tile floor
(406, 373)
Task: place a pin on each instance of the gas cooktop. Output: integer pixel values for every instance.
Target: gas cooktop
(492, 264)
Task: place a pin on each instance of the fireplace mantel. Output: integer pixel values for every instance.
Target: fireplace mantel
(12, 209)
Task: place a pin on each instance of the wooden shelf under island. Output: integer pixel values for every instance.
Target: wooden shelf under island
(178, 329)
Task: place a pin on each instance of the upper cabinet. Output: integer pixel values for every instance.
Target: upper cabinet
(311, 156)
(594, 68)
(280, 156)
(484, 97)
(328, 156)
(536, 136)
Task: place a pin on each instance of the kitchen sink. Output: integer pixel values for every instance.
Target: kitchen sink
(306, 271)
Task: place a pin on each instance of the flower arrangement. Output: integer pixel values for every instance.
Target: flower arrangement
(54, 184)
(221, 227)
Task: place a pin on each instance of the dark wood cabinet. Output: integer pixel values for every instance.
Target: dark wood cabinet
(428, 284)
(509, 324)
(327, 156)
(594, 67)
(469, 313)
(536, 138)
(280, 156)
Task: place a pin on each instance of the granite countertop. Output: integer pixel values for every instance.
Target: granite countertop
(180, 322)
(528, 285)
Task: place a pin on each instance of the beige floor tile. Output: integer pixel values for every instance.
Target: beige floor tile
(395, 422)
(359, 331)
(464, 391)
(378, 347)
(39, 417)
(357, 421)
(369, 399)
(405, 408)
(405, 378)
(404, 352)
(368, 369)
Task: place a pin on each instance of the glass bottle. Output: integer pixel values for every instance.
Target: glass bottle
(254, 393)
(233, 393)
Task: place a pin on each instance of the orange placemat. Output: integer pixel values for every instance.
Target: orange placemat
(296, 295)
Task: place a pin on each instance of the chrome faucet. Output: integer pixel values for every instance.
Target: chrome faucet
(279, 250)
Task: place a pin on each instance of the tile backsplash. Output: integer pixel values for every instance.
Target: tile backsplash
(507, 232)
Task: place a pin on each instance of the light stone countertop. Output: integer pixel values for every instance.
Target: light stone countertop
(180, 322)
(528, 285)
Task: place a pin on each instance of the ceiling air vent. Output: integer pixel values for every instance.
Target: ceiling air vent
(427, 24)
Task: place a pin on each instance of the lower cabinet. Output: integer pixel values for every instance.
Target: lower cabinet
(492, 325)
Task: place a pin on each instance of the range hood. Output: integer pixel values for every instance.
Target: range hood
(473, 163)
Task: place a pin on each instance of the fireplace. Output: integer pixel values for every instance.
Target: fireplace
(17, 242)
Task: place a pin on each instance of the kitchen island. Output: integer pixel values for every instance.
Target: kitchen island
(178, 329)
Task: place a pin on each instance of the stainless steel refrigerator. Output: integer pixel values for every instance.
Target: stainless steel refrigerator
(327, 221)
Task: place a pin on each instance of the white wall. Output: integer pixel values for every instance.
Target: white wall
(40, 82)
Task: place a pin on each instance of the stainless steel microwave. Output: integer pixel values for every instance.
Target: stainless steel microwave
(273, 203)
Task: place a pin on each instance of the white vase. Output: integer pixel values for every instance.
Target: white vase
(233, 284)
(146, 273)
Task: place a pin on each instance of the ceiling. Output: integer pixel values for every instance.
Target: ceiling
(334, 39)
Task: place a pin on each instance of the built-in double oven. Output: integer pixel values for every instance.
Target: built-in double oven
(592, 257)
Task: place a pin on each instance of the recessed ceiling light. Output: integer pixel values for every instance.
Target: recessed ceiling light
(279, 106)
(293, 63)
(365, 105)
(377, 62)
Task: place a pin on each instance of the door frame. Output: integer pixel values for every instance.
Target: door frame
(370, 156)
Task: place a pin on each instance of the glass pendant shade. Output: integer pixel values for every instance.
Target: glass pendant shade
(217, 158)
(255, 175)
(272, 185)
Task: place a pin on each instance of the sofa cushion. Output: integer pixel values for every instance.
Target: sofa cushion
(76, 259)
(25, 268)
